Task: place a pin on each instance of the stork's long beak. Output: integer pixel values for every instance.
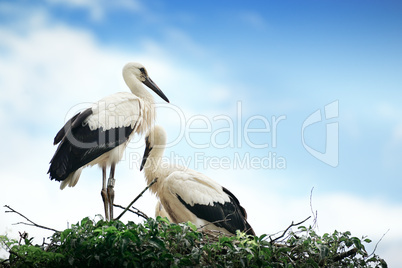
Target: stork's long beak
(148, 149)
(149, 83)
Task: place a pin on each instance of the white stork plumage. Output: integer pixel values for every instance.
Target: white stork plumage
(160, 211)
(100, 134)
(187, 195)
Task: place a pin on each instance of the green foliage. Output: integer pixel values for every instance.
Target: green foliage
(28, 255)
(157, 243)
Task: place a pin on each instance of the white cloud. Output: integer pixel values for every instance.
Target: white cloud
(53, 64)
(387, 111)
(390, 117)
(391, 113)
(220, 93)
(98, 9)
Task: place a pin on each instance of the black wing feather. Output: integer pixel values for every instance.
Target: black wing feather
(80, 145)
(74, 122)
(229, 215)
(234, 198)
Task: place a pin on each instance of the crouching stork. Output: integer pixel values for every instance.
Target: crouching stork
(187, 195)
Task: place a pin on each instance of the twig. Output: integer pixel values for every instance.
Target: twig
(312, 210)
(137, 211)
(287, 229)
(375, 248)
(135, 199)
(217, 221)
(31, 222)
(24, 235)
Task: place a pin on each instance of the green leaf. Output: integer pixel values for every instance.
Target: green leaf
(302, 228)
(367, 240)
(192, 226)
(356, 241)
(157, 243)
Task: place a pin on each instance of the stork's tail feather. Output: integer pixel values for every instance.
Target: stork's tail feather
(72, 179)
(60, 166)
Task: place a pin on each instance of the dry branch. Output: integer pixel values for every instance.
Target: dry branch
(11, 210)
(135, 199)
(287, 229)
(375, 248)
(217, 221)
(134, 210)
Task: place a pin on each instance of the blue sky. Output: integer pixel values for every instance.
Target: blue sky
(273, 58)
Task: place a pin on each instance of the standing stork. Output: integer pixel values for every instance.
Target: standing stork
(187, 195)
(100, 134)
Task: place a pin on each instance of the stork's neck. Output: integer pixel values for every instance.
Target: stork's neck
(137, 88)
(152, 169)
(155, 167)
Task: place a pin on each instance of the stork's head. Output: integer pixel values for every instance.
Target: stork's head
(137, 70)
(155, 142)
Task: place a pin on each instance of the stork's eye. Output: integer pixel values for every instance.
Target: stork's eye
(142, 69)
